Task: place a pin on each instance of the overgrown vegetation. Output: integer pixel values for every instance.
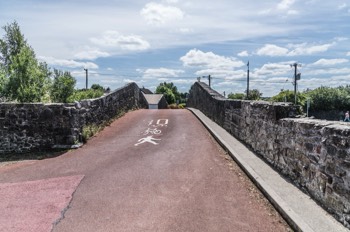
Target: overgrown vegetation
(92, 129)
(237, 96)
(79, 95)
(254, 94)
(327, 98)
(24, 79)
(177, 106)
(89, 131)
(171, 94)
(322, 98)
(288, 96)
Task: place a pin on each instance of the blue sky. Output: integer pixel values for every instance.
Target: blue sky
(149, 42)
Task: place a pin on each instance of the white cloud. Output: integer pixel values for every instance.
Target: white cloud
(285, 4)
(197, 58)
(185, 30)
(348, 54)
(342, 6)
(183, 81)
(172, 1)
(274, 69)
(113, 39)
(209, 63)
(90, 54)
(158, 14)
(68, 63)
(160, 73)
(326, 71)
(243, 54)
(283, 8)
(272, 50)
(293, 49)
(292, 12)
(340, 39)
(307, 49)
(222, 73)
(329, 62)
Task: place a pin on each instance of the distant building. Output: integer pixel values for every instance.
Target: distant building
(156, 101)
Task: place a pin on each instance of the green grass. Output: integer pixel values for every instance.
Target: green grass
(92, 129)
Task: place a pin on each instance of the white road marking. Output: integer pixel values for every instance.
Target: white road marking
(154, 131)
(148, 139)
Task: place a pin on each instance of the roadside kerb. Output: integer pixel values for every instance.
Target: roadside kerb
(298, 209)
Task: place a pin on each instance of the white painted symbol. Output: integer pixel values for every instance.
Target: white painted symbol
(162, 122)
(154, 131)
(148, 139)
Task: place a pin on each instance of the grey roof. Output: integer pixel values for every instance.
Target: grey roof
(153, 98)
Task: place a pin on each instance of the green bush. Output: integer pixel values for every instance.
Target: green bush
(79, 95)
(97, 87)
(327, 98)
(175, 106)
(89, 131)
(238, 96)
(62, 87)
(182, 105)
(288, 96)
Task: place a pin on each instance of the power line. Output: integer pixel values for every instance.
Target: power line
(237, 80)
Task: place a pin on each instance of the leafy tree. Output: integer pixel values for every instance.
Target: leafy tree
(97, 87)
(183, 98)
(170, 96)
(327, 98)
(254, 94)
(11, 44)
(288, 96)
(170, 92)
(27, 79)
(3, 81)
(63, 86)
(239, 96)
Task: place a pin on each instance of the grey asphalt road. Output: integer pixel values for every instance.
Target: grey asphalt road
(153, 170)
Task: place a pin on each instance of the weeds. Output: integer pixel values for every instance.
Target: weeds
(92, 129)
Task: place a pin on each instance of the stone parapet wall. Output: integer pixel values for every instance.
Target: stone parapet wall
(32, 127)
(313, 154)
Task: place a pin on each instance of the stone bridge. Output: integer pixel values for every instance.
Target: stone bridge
(313, 154)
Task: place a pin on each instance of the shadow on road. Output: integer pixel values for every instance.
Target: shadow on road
(31, 156)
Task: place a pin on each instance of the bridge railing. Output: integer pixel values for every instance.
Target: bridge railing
(313, 154)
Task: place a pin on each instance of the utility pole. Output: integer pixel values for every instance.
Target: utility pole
(209, 78)
(248, 81)
(296, 78)
(86, 74)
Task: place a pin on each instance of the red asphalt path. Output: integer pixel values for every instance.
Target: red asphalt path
(35, 205)
(151, 170)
